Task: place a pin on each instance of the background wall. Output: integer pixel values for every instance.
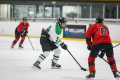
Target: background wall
(8, 28)
(4, 10)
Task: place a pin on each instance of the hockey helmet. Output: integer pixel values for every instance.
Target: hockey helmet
(24, 18)
(99, 19)
(62, 20)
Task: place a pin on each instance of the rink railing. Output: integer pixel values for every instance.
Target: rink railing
(74, 20)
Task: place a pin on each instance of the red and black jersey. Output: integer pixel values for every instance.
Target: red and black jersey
(99, 34)
(21, 27)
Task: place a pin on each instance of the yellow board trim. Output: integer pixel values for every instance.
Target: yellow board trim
(14, 36)
(72, 39)
(60, 38)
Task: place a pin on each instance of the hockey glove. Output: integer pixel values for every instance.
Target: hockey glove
(89, 43)
(64, 46)
(102, 54)
(24, 33)
(89, 47)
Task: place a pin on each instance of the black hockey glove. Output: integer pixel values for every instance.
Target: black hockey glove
(89, 47)
(64, 46)
(102, 54)
(24, 33)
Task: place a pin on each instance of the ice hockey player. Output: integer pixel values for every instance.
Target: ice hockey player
(101, 41)
(21, 30)
(50, 42)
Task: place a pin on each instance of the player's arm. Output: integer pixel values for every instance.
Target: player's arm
(48, 29)
(26, 30)
(27, 27)
(62, 44)
(55, 39)
(19, 28)
(53, 35)
(58, 41)
(88, 37)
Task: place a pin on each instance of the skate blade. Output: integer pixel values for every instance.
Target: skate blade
(89, 78)
(117, 78)
(55, 67)
(35, 68)
(20, 48)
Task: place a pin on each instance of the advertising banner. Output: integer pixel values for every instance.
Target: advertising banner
(74, 31)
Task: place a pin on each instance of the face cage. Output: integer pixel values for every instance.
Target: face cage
(24, 23)
(62, 27)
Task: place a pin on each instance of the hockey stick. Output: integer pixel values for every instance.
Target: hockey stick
(77, 62)
(30, 42)
(106, 60)
(108, 63)
(116, 45)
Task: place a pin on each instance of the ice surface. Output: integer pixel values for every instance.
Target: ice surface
(16, 64)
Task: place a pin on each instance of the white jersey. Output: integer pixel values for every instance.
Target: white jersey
(54, 31)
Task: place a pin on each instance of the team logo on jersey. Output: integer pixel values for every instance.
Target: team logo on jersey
(66, 31)
(103, 31)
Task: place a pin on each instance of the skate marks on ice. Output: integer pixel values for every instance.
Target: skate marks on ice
(26, 49)
(72, 78)
(78, 78)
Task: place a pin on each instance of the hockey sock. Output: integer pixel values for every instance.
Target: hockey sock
(22, 40)
(91, 63)
(43, 56)
(56, 55)
(15, 41)
(112, 63)
(55, 58)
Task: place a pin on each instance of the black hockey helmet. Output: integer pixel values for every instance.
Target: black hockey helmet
(62, 20)
(99, 19)
(24, 18)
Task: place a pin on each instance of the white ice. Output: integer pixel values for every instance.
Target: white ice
(16, 64)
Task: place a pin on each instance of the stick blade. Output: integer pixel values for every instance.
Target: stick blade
(36, 49)
(84, 69)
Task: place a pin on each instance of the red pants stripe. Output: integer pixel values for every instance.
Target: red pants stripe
(16, 40)
(111, 61)
(22, 40)
(91, 63)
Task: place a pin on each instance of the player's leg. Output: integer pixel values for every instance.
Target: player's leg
(17, 36)
(55, 59)
(46, 51)
(92, 70)
(43, 56)
(91, 61)
(56, 56)
(21, 42)
(111, 59)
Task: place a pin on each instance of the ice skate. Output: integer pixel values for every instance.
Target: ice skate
(12, 47)
(36, 65)
(55, 66)
(91, 76)
(21, 47)
(117, 76)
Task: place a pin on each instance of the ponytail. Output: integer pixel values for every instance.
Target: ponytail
(104, 26)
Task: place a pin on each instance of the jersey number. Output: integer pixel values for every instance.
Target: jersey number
(103, 31)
